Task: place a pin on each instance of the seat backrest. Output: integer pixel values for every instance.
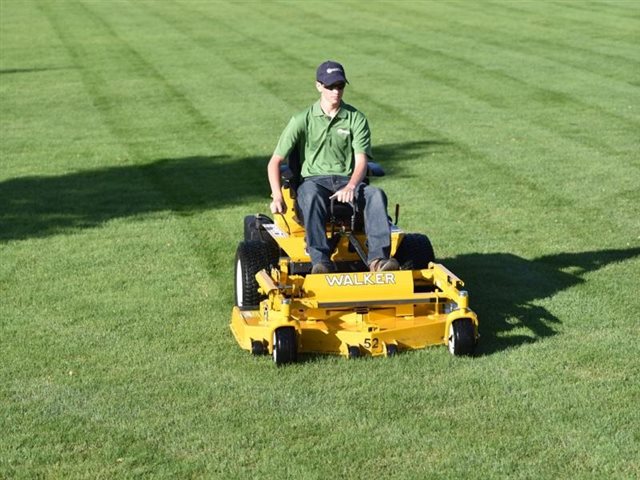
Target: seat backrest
(291, 173)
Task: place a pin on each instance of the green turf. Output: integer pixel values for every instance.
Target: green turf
(134, 139)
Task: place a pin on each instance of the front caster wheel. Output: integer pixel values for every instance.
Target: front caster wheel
(354, 351)
(461, 337)
(392, 350)
(285, 349)
(257, 348)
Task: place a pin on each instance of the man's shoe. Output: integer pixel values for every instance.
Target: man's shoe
(384, 264)
(321, 268)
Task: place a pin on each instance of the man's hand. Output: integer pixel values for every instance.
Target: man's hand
(277, 205)
(273, 170)
(345, 195)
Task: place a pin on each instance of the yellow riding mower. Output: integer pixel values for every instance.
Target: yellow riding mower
(283, 310)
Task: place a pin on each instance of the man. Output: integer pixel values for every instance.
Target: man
(337, 143)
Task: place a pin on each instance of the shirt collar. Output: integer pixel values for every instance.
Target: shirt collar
(316, 110)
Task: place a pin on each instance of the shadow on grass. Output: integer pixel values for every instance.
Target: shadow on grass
(393, 156)
(5, 71)
(505, 287)
(38, 206)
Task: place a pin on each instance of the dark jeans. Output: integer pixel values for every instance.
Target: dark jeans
(313, 201)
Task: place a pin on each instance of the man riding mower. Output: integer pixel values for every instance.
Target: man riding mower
(283, 309)
(330, 273)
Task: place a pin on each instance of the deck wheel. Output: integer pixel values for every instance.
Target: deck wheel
(285, 349)
(257, 347)
(461, 337)
(354, 351)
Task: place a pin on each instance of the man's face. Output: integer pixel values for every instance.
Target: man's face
(331, 93)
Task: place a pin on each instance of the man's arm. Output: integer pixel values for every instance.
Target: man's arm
(273, 171)
(347, 194)
(287, 142)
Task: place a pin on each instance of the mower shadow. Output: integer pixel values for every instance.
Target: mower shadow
(39, 206)
(504, 289)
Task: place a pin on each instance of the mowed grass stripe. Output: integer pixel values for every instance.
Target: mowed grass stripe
(536, 17)
(505, 57)
(160, 100)
(70, 139)
(613, 35)
(619, 185)
(540, 40)
(210, 33)
(616, 8)
(113, 109)
(264, 85)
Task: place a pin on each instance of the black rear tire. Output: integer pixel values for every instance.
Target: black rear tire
(251, 257)
(254, 231)
(415, 252)
(253, 227)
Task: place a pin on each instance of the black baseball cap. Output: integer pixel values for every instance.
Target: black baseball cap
(329, 73)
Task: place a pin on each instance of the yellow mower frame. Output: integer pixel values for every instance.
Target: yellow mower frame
(350, 313)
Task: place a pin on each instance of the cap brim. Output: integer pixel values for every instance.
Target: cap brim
(332, 79)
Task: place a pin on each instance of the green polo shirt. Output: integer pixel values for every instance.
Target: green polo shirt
(329, 144)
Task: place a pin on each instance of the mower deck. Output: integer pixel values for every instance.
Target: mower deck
(356, 313)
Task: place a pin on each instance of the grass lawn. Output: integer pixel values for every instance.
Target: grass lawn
(134, 137)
